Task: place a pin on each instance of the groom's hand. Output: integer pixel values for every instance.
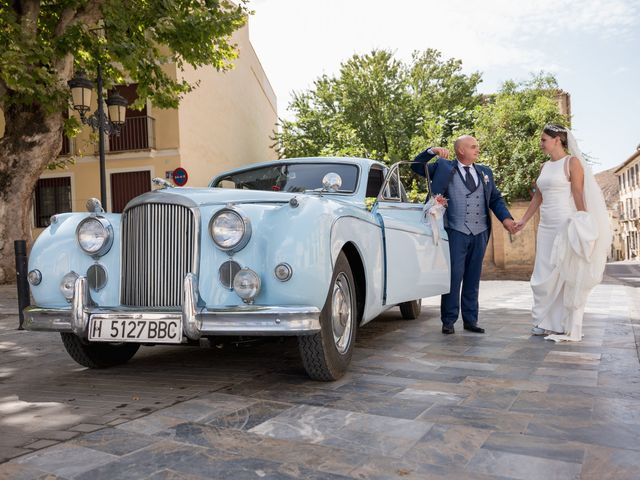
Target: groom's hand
(510, 225)
(441, 152)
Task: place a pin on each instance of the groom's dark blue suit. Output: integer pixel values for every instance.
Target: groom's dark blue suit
(468, 226)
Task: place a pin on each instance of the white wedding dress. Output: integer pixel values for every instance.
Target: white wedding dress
(572, 247)
(549, 311)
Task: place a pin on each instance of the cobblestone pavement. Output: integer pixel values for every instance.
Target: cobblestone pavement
(415, 405)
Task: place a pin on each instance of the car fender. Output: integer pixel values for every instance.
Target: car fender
(298, 236)
(56, 252)
(361, 231)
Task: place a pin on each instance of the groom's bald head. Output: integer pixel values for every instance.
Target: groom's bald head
(467, 149)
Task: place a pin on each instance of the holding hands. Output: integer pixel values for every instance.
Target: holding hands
(512, 226)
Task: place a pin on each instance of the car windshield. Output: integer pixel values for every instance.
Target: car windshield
(291, 177)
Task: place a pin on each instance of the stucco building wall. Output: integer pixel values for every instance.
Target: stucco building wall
(230, 119)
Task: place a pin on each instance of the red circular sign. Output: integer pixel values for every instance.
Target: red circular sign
(180, 176)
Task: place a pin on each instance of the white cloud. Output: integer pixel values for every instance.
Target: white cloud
(297, 40)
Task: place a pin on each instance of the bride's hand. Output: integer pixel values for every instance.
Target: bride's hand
(519, 225)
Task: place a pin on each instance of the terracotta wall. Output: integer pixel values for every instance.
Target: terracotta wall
(511, 257)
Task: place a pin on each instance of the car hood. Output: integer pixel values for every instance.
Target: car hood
(212, 196)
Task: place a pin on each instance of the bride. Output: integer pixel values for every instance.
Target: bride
(573, 237)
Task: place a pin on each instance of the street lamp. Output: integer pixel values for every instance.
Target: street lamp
(81, 89)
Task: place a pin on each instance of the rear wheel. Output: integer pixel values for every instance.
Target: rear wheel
(326, 355)
(411, 310)
(98, 355)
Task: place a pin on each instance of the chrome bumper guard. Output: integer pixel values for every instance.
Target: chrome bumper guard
(197, 321)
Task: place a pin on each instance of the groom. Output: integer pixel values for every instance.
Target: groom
(471, 193)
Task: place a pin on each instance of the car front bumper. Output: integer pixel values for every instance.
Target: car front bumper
(197, 321)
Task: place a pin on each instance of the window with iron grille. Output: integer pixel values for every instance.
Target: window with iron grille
(52, 195)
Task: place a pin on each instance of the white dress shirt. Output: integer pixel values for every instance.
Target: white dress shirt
(474, 173)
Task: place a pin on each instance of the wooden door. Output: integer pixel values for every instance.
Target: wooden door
(126, 186)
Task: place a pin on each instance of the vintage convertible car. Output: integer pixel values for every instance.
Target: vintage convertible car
(309, 247)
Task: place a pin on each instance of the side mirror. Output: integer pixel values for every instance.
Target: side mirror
(332, 182)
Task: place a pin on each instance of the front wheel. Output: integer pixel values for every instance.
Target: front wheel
(326, 355)
(411, 310)
(98, 355)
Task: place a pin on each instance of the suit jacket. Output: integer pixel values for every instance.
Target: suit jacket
(441, 173)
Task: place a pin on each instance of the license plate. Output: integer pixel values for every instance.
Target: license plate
(132, 330)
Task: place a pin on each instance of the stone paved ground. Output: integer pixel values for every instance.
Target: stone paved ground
(415, 405)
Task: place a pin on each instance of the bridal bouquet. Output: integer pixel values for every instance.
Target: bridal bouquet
(433, 211)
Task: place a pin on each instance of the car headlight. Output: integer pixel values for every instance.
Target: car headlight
(230, 230)
(95, 235)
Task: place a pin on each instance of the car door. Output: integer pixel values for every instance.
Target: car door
(416, 261)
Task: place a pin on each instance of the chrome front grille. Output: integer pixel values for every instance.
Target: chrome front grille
(158, 250)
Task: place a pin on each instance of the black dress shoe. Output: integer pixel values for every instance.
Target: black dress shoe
(474, 328)
(448, 330)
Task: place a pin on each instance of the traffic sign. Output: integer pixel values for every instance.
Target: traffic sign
(180, 177)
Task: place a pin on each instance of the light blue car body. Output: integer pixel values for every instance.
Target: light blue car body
(392, 252)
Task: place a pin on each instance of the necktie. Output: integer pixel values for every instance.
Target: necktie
(468, 179)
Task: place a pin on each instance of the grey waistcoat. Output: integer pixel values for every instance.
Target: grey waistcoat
(467, 211)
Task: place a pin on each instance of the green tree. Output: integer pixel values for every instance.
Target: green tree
(445, 97)
(379, 107)
(43, 42)
(508, 128)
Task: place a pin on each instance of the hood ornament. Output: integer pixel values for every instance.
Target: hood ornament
(162, 182)
(94, 206)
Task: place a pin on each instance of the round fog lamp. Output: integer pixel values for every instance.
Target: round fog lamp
(246, 284)
(34, 277)
(283, 272)
(95, 235)
(67, 285)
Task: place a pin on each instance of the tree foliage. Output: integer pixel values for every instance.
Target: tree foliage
(508, 130)
(132, 40)
(380, 107)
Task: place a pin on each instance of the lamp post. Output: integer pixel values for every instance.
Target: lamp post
(81, 89)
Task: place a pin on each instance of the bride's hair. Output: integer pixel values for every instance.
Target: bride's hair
(554, 130)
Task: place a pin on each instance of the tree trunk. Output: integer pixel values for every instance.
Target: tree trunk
(32, 139)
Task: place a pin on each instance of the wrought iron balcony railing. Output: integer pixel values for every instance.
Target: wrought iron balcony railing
(138, 133)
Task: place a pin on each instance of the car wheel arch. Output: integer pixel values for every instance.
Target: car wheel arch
(357, 269)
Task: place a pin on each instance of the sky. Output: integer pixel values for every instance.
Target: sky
(591, 46)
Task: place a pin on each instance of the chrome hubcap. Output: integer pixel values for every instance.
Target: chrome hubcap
(341, 313)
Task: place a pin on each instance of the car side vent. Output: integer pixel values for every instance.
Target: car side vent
(227, 272)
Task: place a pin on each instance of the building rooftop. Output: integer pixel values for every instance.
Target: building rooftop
(633, 156)
(608, 182)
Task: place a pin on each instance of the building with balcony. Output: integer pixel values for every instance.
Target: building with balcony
(629, 183)
(226, 122)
